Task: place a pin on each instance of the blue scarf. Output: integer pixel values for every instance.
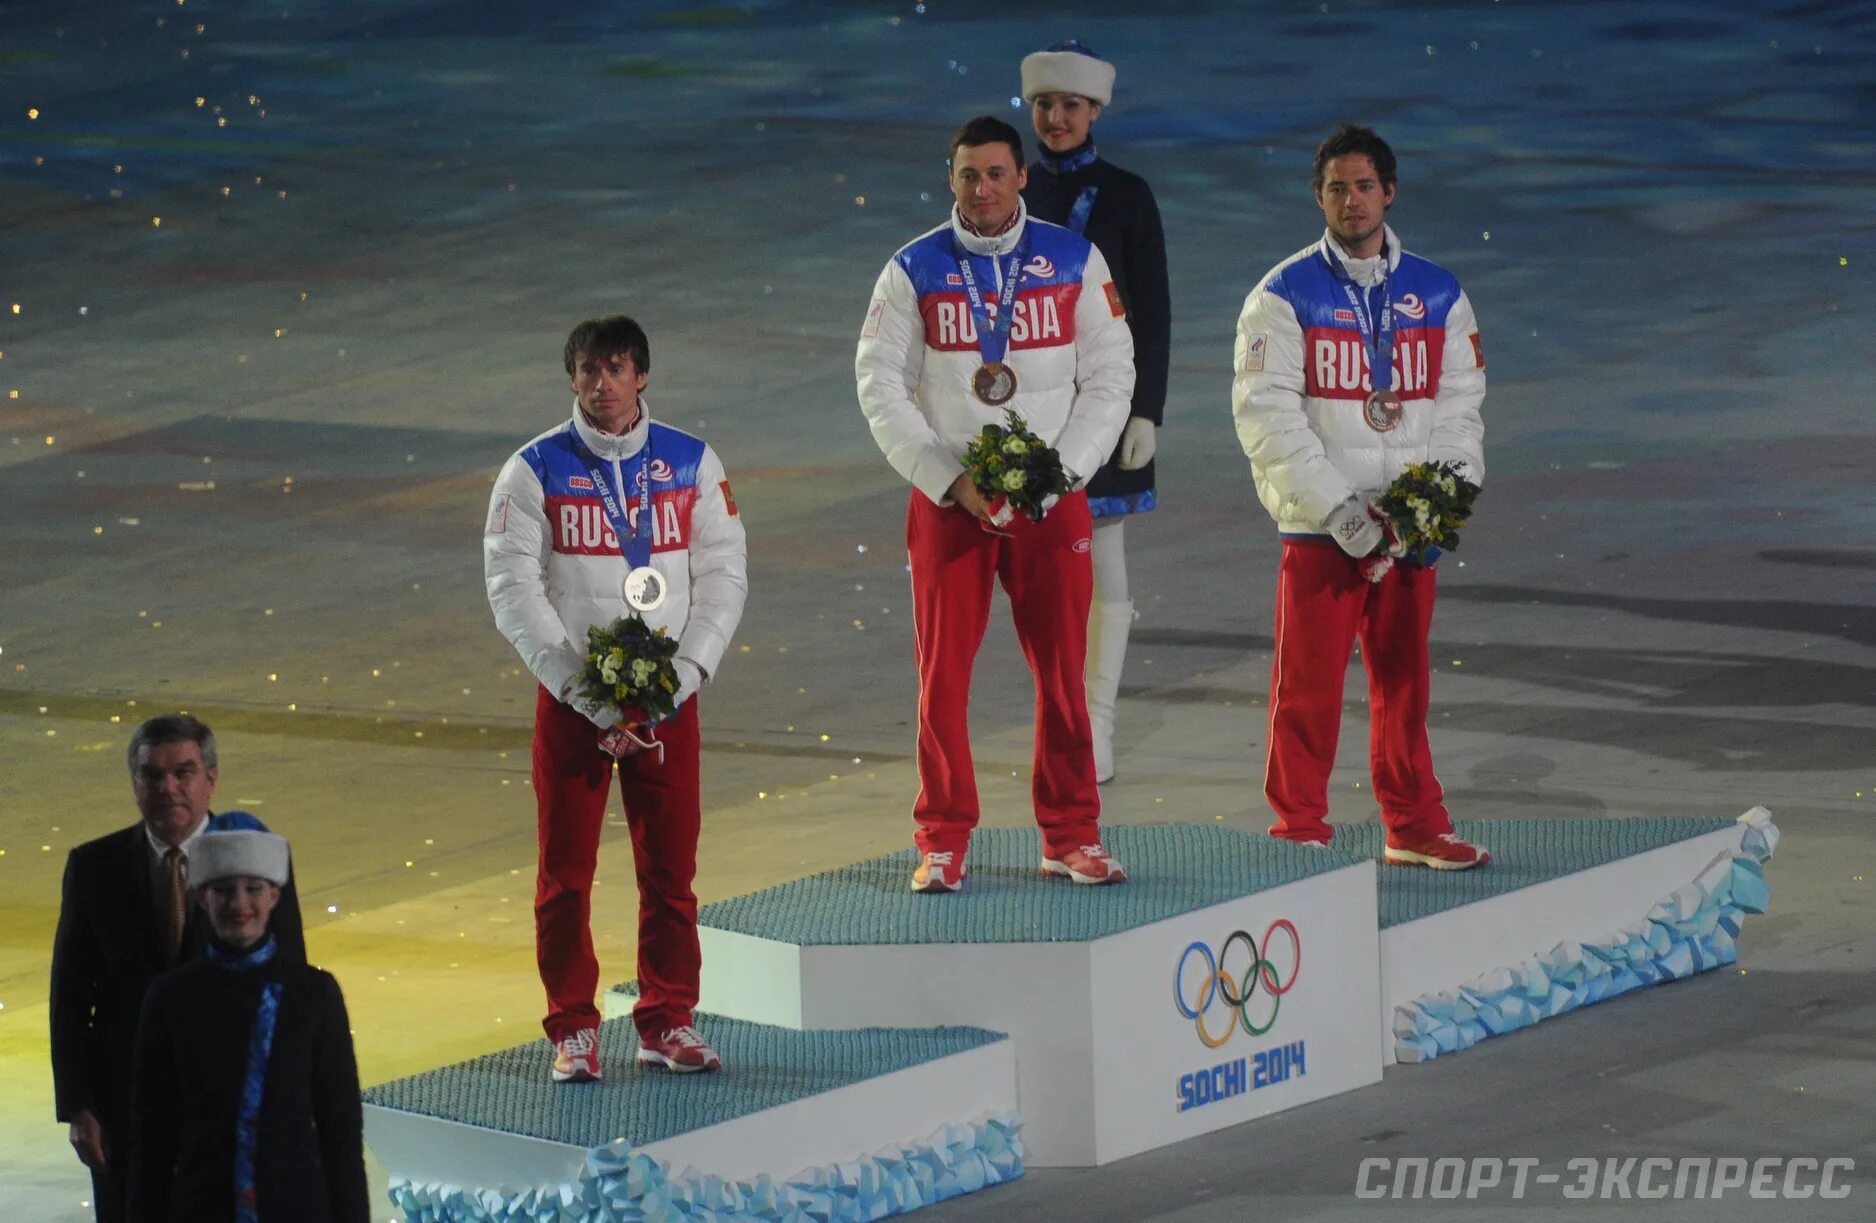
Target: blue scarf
(260, 1046)
(1069, 162)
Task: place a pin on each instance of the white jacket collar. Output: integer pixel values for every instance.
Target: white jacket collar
(1002, 244)
(1364, 272)
(610, 446)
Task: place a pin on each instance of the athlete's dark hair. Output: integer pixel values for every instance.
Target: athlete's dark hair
(988, 129)
(608, 337)
(1351, 139)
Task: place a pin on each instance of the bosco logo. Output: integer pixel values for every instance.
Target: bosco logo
(1203, 979)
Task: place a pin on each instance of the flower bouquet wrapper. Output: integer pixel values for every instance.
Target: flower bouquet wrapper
(1001, 513)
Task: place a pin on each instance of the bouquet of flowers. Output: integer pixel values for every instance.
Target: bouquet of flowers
(1423, 510)
(1012, 466)
(629, 664)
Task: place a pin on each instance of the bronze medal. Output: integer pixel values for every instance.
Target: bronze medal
(994, 383)
(1382, 410)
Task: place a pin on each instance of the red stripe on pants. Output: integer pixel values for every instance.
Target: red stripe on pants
(663, 808)
(1046, 572)
(1323, 605)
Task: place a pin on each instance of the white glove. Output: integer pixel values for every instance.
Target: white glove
(1138, 441)
(1353, 528)
(603, 714)
(690, 677)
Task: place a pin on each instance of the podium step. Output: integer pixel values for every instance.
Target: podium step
(853, 1124)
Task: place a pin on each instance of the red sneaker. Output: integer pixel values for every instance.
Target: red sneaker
(939, 872)
(1088, 864)
(1444, 852)
(576, 1057)
(679, 1050)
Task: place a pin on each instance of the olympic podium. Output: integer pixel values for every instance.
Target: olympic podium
(1233, 977)
(1029, 1022)
(1569, 913)
(800, 1125)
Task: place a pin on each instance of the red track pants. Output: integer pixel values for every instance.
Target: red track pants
(663, 808)
(1045, 570)
(1323, 604)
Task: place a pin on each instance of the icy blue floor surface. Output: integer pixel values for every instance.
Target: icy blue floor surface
(765, 1067)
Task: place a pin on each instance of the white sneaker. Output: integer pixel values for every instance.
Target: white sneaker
(1089, 864)
(679, 1050)
(938, 872)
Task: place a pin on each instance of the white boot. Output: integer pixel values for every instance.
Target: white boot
(1108, 626)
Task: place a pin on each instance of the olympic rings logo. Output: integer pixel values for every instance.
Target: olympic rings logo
(1237, 992)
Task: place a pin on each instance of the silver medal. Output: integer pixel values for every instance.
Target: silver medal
(644, 589)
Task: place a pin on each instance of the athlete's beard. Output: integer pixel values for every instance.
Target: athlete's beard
(1350, 241)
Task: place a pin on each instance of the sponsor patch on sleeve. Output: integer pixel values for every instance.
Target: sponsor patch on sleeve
(1478, 349)
(873, 312)
(1254, 349)
(498, 515)
(1113, 300)
(728, 500)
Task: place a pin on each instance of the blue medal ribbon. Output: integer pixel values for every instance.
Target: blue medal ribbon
(1377, 337)
(1084, 204)
(634, 542)
(993, 335)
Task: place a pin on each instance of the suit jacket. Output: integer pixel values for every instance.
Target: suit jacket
(108, 950)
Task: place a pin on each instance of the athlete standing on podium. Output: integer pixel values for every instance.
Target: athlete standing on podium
(611, 511)
(994, 310)
(1355, 358)
(1067, 87)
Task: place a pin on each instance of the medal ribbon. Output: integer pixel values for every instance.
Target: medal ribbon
(1376, 338)
(1084, 204)
(634, 544)
(993, 335)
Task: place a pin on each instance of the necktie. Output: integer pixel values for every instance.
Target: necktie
(175, 905)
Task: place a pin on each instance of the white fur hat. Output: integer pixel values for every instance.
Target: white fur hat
(227, 855)
(1068, 67)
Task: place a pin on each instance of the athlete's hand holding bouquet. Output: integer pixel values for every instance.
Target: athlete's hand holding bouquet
(1015, 470)
(630, 683)
(1419, 515)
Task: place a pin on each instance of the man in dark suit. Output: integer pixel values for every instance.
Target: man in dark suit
(124, 919)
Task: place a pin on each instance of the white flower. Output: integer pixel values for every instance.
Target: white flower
(1014, 480)
(641, 672)
(1015, 445)
(1446, 483)
(609, 672)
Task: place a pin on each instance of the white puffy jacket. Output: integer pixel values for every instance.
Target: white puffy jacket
(1301, 375)
(1069, 346)
(553, 566)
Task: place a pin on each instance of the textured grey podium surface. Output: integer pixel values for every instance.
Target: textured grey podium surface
(1524, 853)
(1176, 869)
(765, 1067)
